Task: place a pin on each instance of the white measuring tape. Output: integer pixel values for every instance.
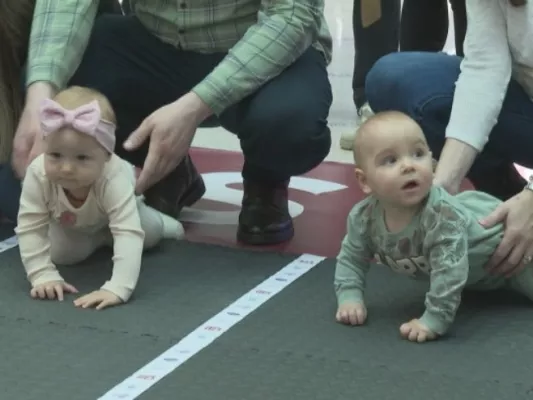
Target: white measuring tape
(205, 334)
(148, 375)
(8, 244)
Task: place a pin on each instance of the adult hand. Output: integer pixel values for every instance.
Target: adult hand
(454, 163)
(451, 186)
(171, 130)
(516, 247)
(28, 143)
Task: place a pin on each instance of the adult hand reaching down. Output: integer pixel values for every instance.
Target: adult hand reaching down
(28, 143)
(171, 129)
(516, 248)
(454, 163)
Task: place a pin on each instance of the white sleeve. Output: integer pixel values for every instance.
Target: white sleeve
(485, 74)
(118, 199)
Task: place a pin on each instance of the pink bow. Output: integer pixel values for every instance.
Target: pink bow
(85, 119)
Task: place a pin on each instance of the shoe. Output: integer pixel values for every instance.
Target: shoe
(181, 188)
(264, 218)
(347, 138)
(503, 183)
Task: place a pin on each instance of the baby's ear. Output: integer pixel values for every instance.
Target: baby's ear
(362, 181)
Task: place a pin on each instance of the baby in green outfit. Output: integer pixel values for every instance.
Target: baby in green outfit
(416, 229)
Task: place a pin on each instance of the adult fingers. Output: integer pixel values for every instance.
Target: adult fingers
(502, 251)
(139, 136)
(36, 149)
(21, 150)
(496, 216)
(150, 170)
(514, 259)
(524, 259)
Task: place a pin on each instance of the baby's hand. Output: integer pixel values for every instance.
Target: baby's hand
(99, 298)
(52, 290)
(415, 331)
(351, 313)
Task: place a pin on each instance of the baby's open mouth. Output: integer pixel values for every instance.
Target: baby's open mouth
(412, 184)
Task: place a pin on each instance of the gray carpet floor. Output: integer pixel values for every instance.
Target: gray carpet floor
(6, 230)
(290, 348)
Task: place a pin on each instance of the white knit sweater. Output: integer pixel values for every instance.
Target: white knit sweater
(498, 46)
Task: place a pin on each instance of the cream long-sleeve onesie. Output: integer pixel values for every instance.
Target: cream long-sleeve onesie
(50, 230)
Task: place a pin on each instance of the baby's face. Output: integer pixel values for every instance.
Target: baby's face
(73, 160)
(397, 166)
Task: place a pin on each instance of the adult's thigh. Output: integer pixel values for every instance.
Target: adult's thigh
(422, 85)
(283, 126)
(419, 84)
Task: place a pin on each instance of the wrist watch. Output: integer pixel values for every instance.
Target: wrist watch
(529, 184)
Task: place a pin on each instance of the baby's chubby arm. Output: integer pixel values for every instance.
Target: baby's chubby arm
(32, 228)
(119, 201)
(446, 248)
(353, 263)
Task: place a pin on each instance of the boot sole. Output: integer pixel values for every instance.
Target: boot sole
(265, 239)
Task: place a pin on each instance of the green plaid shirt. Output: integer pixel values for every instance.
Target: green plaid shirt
(262, 38)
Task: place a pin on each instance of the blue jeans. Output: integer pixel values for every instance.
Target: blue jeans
(422, 85)
(9, 193)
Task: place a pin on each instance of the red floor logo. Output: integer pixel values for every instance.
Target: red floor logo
(319, 204)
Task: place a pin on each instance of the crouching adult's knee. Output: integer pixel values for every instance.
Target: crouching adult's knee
(405, 81)
(385, 83)
(291, 142)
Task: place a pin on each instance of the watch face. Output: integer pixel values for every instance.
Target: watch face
(529, 184)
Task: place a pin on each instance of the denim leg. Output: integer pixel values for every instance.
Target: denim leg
(422, 85)
(10, 193)
(283, 127)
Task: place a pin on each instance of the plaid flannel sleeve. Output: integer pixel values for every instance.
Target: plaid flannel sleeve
(59, 35)
(285, 30)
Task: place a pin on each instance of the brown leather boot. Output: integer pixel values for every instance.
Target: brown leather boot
(181, 188)
(264, 217)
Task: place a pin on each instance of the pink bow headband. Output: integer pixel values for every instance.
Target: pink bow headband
(85, 119)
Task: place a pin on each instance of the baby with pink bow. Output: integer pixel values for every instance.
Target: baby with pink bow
(79, 196)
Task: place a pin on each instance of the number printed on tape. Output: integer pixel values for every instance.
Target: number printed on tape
(213, 328)
(146, 377)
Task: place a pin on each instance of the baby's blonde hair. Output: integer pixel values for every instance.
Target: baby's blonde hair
(380, 121)
(77, 96)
